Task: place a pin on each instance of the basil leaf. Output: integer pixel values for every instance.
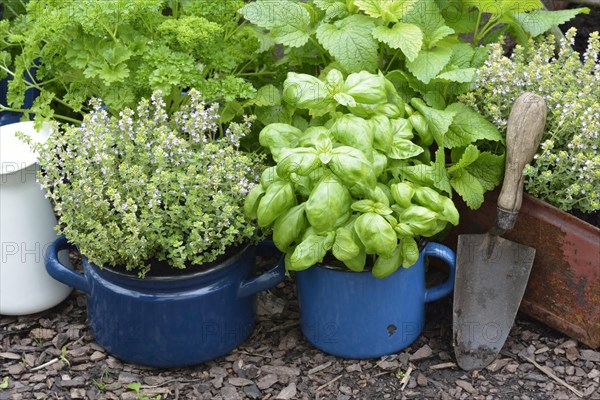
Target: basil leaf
(382, 133)
(345, 246)
(289, 227)
(354, 131)
(376, 234)
(352, 167)
(252, 201)
(410, 251)
(328, 204)
(269, 176)
(301, 160)
(277, 200)
(310, 251)
(387, 265)
(366, 88)
(403, 149)
(277, 137)
(403, 193)
(306, 91)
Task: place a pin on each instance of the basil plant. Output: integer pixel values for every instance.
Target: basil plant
(338, 185)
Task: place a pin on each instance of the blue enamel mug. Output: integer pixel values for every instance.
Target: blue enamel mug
(355, 315)
(171, 321)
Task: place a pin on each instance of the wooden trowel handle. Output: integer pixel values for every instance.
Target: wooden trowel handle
(524, 133)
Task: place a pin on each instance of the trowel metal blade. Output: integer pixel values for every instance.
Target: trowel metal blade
(487, 295)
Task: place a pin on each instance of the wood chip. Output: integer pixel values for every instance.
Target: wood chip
(288, 392)
(406, 377)
(466, 386)
(280, 370)
(422, 353)
(549, 372)
(320, 368)
(323, 386)
(443, 365)
(498, 364)
(10, 356)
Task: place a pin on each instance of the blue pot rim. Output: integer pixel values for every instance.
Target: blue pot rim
(215, 270)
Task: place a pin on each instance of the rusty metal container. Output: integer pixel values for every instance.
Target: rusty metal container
(564, 286)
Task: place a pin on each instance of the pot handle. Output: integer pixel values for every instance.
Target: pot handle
(445, 254)
(59, 271)
(268, 279)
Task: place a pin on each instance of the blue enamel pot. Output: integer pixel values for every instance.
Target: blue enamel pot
(170, 321)
(355, 315)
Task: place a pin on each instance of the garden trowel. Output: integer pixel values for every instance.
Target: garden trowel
(492, 272)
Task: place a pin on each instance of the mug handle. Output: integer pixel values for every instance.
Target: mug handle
(61, 272)
(267, 280)
(445, 254)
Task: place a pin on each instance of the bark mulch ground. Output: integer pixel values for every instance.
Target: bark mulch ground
(52, 355)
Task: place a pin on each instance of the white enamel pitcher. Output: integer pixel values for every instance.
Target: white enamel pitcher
(26, 227)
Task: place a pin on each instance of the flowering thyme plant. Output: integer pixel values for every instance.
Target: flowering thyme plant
(566, 170)
(148, 186)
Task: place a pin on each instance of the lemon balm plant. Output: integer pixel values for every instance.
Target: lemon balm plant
(146, 185)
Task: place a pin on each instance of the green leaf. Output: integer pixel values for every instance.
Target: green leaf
(427, 15)
(429, 63)
(4, 383)
(352, 167)
(287, 20)
(366, 88)
(469, 188)
(499, 7)
(469, 126)
(387, 265)
(289, 227)
(403, 193)
(345, 247)
(464, 75)
(539, 21)
(116, 54)
(403, 149)
(355, 132)
(267, 95)
(441, 179)
(328, 205)
(472, 175)
(462, 54)
(278, 137)
(439, 34)
(276, 201)
(351, 43)
(438, 120)
(333, 8)
(253, 200)
(388, 10)
(468, 157)
(305, 91)
(488, 169)
(376, 234)
(111, 74)
(298, 160)
(310, 251)
(406, 37)
(410, 251)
